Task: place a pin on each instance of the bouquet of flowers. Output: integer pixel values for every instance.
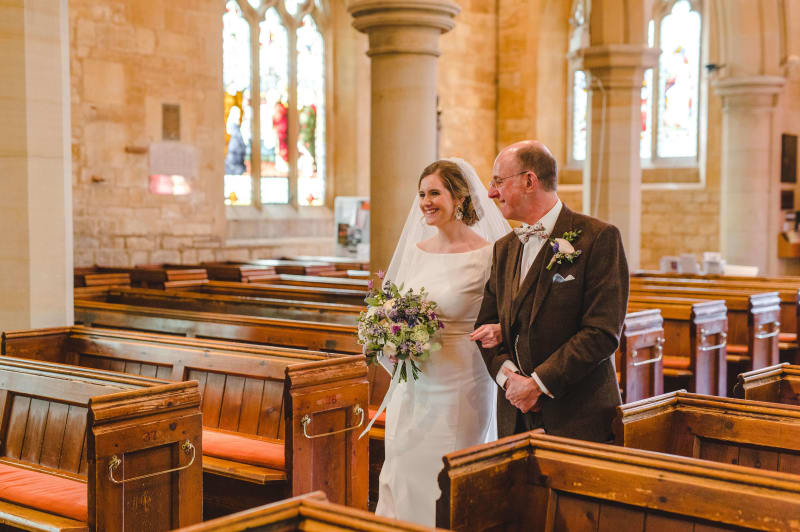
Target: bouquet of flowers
(400, 325)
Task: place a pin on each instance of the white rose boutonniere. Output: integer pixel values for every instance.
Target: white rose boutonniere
(563, 248)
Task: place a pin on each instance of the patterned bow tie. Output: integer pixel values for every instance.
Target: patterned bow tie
(525, 232)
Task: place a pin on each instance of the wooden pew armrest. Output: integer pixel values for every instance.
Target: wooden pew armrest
(243, 472)
(30, 519)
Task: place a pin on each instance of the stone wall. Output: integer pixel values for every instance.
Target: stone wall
(467, 86)
(126, 59)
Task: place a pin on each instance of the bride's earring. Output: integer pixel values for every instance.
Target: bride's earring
(459, 213)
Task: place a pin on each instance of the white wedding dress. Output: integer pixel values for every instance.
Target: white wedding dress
(452, 405)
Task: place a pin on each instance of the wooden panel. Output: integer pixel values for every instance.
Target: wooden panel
(617, 518)
(152, 498)
(271, 421)
(759, 458)
(200, 377)
(163, 372)
(231, 403)
(34, 431)
(148, 370)
(789, 463)
(18, 420)
(657, 522)
(212, 399)
(117, 365)
(716, 451)
(329, 469)
(251, 406)
(575, 513)
(74, 439)
(133, 368)
(54, 435)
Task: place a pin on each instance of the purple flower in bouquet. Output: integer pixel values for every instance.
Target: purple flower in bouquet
(396, 329)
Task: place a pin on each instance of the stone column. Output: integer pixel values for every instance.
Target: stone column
(35, 165)
(403, 49)
(750, 213)
(612, 175)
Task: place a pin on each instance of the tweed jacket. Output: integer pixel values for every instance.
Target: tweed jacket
(572, 327)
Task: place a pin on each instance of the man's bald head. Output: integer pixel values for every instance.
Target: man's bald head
(534, 156)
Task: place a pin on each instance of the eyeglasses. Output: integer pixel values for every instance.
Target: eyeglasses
(497, 181)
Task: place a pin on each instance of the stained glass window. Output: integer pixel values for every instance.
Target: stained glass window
(238, 116)
(273, 46)
(310, 108)
(678, 82)
(580, 100)
(288, 40)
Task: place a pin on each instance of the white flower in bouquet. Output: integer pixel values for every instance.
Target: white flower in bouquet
(399, 325)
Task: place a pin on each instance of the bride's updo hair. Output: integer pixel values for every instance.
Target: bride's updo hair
(454, 180)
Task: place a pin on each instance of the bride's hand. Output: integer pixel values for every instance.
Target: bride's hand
(489, 335)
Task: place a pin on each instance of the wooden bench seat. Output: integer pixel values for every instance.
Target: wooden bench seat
(251, 394)
(297, 267)
(753, 322)
(695, 341)
(735, 431)
(311, 512)
(75, 441)
(775, 384)
(546, 483)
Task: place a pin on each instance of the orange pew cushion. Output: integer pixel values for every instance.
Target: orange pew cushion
(48, 493)
(249, 450)
(381, 421)
(737, 349)
(676, 362)
(787, 337)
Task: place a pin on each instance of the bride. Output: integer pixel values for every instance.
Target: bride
(452, 405)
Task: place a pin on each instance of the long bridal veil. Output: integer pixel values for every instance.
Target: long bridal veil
(490, 225)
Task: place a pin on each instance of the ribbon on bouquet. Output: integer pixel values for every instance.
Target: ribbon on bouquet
(385, 403)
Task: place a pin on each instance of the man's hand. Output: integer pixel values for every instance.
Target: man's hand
(489, 335)
(522, 392)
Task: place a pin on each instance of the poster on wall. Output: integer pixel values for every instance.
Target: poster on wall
(351, 216)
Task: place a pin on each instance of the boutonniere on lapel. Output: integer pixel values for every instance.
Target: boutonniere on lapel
(563, 249)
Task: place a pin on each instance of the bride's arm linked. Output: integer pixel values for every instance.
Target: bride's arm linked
(495, 352)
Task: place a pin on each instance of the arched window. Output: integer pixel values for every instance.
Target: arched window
(579, 94)
(669, 122)
(274, 49)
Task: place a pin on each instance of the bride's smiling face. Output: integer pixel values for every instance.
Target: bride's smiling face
(435, 201)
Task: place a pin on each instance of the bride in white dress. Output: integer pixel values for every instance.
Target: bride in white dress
(452, 405)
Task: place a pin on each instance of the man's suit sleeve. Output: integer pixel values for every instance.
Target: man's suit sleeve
(493, 357)
(605, 301)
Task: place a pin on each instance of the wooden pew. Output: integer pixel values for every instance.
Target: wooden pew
(159, 275)
(695, 340)
(788, 289)
(96, 450)
(641, 376)
(251, 395)
(313, 281)
(239, 272)
(301, 267)
(546, 483)
(341, 263)
(278, 291)
(306, 512)
(95, 277)
(775, 384)
(235, 304)
(721, 429)
(753, 322)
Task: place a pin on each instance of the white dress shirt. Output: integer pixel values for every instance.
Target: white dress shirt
(529, 252)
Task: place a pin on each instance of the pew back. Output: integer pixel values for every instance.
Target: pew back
(735, 431)
(105, 429)
(546, 483)
(775, 384)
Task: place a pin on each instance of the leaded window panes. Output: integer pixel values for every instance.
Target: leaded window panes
(580, 100)
(678, 82)
(284, 39)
